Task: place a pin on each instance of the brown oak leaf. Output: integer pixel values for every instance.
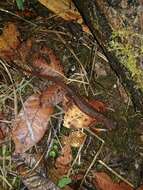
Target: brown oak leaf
(30, 124)
(47, 62)
(104, 182)
(53, 95)
(63, 162)
(9, 41)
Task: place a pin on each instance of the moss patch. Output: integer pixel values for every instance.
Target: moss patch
(128, 47)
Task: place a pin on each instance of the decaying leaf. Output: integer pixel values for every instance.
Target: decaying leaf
(9, 41)
(140, 188)
(63, 162)
(38, 57)
(32, 170)
(66, 10)
(34, 181)
(104, 182)
(30, 124)
(63, 8)
(75, 118)
(47, 62)
(75, 139)
(37, 182)
(52, 96)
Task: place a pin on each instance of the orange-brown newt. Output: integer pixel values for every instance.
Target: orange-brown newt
(70, 91)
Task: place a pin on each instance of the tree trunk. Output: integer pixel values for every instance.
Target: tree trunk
(118, 29)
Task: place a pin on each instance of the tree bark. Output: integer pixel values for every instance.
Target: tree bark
(118, 29)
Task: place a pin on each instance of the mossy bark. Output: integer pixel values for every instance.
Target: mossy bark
(118, 31)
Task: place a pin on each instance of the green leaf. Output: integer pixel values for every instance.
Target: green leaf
(20, 4)
(52, 154)
(64, 181)
(55, 147)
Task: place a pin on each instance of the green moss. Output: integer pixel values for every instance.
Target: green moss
(128, 47)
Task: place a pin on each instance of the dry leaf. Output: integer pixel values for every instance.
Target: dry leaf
(75, 139)
(30, 124)
(9, 41)
(42, 58)
(65, 157)
(104, 182)
(34, 181)
(66, 10)
(62, 8)
(140, 188)
(75, 118)
(53, 67)
(52, 96)
(63, 162)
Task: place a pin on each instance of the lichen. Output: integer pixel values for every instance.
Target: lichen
(128, 47)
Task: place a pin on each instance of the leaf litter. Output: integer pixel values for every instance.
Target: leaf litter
(32, 121)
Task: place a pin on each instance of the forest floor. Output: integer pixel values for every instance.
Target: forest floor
(117, 152)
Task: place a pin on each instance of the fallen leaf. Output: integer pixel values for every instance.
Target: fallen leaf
(140, 188)
(64, 160)
(53, 95)
(41, 58)
(75, 118)
(30, 124)
(34, 180)
(65, 157)
(51, 66)
(9, 41)
(66, 10)
(62, 8)
(75, 139)
(104, 182)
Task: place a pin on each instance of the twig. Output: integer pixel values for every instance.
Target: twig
(95, 157)
(115, 173)
(21, 18)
